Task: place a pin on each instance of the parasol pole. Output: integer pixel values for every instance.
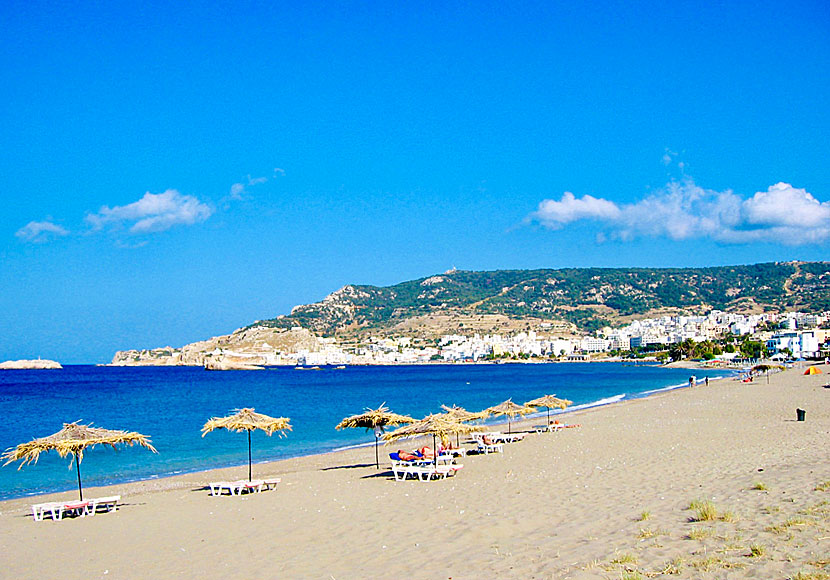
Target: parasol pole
(434, 452)
(378, 433)
(78, 469)
(249, 455)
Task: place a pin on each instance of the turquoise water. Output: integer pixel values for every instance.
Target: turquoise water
(171, 405)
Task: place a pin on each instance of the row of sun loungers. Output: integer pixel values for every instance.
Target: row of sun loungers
(58, 509)
(242, 486)
(423, 471)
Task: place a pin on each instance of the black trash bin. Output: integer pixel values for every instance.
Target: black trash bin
(801, 413)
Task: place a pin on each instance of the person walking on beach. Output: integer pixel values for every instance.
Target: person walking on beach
(706, 381)
(692, 380)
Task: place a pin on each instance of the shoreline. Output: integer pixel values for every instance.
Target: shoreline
(594, 502)
(495, 423)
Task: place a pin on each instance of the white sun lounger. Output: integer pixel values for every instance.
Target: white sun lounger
(108, 504)
(403, 469)
(59, 508)
(236, 487)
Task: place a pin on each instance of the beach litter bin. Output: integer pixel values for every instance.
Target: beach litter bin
(801, 414)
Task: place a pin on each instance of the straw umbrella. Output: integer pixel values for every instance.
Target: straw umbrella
(549, 402)
(437, 425)
(462, 415)
(375, 419)
(248, 420)
(73, 439)
(510, 409)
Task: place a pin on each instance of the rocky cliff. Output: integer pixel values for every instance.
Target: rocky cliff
(253, 346)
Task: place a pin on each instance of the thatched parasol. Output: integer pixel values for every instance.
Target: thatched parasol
(375, 419)
(462, 415)
(248, 420)
(549, 402)
(510, 409)
(73, 439)
(437, 425)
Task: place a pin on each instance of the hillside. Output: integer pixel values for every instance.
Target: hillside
(574, 298)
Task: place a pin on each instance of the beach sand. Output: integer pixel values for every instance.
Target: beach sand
(556, 505)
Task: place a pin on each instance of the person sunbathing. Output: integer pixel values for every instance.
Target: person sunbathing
(407, 456)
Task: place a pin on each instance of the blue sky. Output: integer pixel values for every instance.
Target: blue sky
(172, 172)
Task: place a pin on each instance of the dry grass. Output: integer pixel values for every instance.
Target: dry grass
(785, 526)
(823, 486)
(811, 576)
(728, 516)
(705, 511)
(700, 533)
(760, 486)
(757, 551)
(624, 559)
(645, 515)
(713, 563)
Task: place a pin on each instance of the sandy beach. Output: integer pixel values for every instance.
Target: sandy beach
(607, 500)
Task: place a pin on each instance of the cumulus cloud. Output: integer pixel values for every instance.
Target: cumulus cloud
(40, 232)
(155, 212)
(556, 214)
(684, 210)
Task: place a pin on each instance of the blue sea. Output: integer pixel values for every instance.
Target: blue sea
(171, 405)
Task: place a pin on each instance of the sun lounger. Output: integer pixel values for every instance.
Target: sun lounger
(551, 428)
(270, 483)
(59, 508)
(108, 504)
(403, 469)
(499, 437)
(236, 487)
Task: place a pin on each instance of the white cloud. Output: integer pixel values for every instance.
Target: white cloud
(278, 172)
(40, 232)
(155, 212)
(684, 210)
(238, 190)
(557, 214)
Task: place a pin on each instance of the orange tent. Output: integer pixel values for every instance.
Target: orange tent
(813, 371)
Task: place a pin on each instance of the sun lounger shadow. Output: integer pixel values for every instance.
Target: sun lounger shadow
(353, 466)
(382, 474)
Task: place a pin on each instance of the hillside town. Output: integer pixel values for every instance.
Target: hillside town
(789, 335)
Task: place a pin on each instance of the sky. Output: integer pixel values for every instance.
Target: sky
(174, 171)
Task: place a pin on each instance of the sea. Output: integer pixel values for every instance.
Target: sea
(171, 404)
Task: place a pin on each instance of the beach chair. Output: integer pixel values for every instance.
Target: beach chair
(108, 504)
(41, 509)
(489, 446)
(270, 483)
(59, 508)
(236, 487)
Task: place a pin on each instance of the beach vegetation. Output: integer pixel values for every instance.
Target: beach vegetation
(624, 559)
(700, 533)
(644, 515)
(785, 526)
(713, 563)
(705, 510)
(631, 575)
(728, 516)
(823, 486)
(646, 533)
(801, 575)
(760, 486)
(673, 567)
(757, 550)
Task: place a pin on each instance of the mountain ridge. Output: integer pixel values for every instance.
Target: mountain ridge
(587, 298)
